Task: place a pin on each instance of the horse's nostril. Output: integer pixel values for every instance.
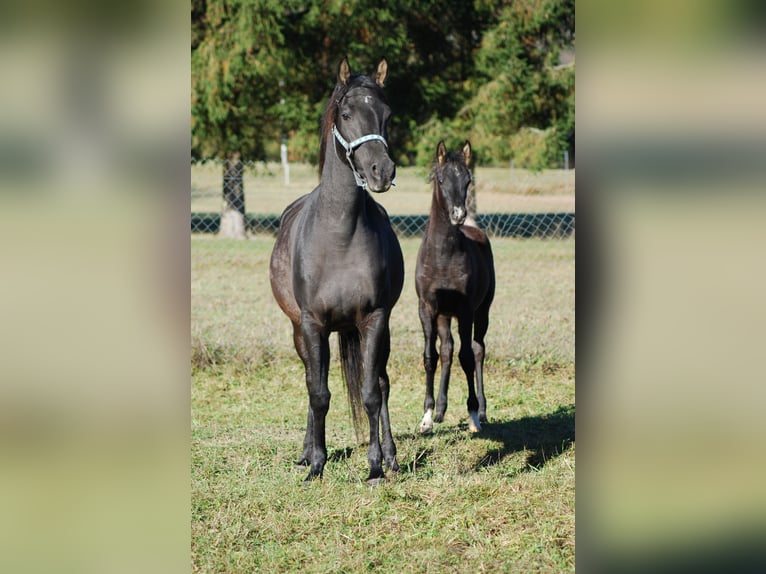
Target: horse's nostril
(375, 168)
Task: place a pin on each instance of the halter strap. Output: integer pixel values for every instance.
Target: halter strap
(350, 147)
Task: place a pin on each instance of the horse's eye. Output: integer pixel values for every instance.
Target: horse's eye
(345, 116)
(441, 181)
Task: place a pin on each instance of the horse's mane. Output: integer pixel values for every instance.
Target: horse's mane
(330, 114)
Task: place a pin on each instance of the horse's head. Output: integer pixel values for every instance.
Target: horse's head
(452, 177)
(359, 127)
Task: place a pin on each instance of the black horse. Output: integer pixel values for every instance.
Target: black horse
(337, 266)
(455, 277)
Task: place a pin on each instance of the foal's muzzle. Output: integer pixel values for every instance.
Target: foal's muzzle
(457, 215)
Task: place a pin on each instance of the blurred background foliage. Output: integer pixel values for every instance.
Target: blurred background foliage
(497, 72)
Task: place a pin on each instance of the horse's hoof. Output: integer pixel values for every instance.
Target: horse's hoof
(393, 466)
(438, 417)
(427, 424)
(473, 422)
(483, 418)
(376, 481)
(312, 477)
(301, 464)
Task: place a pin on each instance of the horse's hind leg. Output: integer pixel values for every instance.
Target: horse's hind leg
(467, 361)
(428, 322)
(446, 348)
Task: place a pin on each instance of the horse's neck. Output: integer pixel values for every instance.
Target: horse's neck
(443, 235)
(340, 204)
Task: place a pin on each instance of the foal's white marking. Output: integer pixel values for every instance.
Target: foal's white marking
(367, 99)
(427, 424)
(473, 421)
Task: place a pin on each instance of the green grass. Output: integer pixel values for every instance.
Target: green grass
(498, 501)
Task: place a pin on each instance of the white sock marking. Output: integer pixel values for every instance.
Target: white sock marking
(473, 421)
(427, 424)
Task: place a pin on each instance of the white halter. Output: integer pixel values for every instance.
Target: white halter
(350, 147)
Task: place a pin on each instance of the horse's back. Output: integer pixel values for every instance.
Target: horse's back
(478, 241)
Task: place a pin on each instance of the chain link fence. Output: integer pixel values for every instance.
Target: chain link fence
(540, 225)
(259, 191)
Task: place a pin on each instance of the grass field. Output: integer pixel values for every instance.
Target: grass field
(498, 501)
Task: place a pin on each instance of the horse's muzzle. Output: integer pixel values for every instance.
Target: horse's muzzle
(457, 215)
(381, 174)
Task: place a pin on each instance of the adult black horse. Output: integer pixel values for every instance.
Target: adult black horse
(337, 266)
(454, 277)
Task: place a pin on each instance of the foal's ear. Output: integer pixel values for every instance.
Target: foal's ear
(441, 153)
(381, 72)
(467, 153)
(344, 72)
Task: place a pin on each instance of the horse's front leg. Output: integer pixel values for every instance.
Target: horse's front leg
(446, 349)
(428, 321)
(308, 441)
(316, 341)
(374, 353)
(479, 330)
(468, 362)
(387, 440)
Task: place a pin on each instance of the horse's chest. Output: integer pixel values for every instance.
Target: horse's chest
(447, 283)
(341, 283)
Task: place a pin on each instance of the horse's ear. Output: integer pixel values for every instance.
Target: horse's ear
(467, 152)
(381, 72)
(344, 72)
(441, 153)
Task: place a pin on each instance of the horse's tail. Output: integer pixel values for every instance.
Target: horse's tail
(351, 367)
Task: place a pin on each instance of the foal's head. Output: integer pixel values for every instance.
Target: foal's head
(355, 123)
(452, 178)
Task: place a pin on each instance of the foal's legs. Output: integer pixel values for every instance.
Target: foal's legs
(316, 343)
(428, 321)
(479, 330)
(446, 349)
(467, 361)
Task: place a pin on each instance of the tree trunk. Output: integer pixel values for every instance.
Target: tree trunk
(233, 212)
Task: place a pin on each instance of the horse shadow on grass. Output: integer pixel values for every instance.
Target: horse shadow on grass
(545, 437)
